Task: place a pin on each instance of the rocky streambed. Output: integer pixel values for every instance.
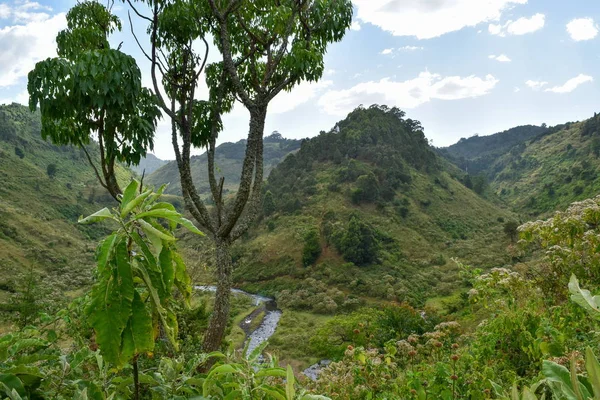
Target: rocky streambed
(266, 327)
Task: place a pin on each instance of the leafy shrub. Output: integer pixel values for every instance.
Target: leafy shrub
(312, 247)
(19, 152)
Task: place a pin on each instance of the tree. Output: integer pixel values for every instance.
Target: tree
(138, 269)
(268, 203)
(91, 89)
(265, 47)
(51, 170)
(359, 244)
(19, 152)
(510, 229)
(312, 247)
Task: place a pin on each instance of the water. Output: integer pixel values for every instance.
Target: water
(267, 326)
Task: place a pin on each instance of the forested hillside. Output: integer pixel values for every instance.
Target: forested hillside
(476, 154)
(228, 159)
(368, 210)
(43, 190)
(551, 170)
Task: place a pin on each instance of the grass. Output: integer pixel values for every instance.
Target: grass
(291, 341)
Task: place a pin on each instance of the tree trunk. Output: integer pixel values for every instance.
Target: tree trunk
(218, 320)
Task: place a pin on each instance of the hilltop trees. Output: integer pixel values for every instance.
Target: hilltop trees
(264, 47)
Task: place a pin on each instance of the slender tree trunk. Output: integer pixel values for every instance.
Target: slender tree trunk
(220, 316)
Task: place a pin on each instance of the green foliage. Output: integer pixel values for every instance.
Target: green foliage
(268, 203)
(51, 170)
(90, 88)
(359, 244)
(312, 247)
(138, 268)
(510, 229)
(19, 153)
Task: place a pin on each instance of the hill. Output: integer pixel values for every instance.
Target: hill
(367, 210)
(551, 170)
(44, 189)
(476, 154)
(228, 160)
(148, 164)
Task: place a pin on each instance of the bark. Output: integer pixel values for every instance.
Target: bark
(220, 316)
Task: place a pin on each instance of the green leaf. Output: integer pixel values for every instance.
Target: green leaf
(290, 391)
(129, 194)
(110, 307)
(561, 377)
(141, 325)
(593, 369)
(170, 215)
(152, 231)
(96, 217)
(12, 384)
(126, 209)
(104, 251)
(584, 298)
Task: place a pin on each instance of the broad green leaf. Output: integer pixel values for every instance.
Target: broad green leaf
(271, 391)
(584, 298)
(172, 216)
(528, 395)
(561, 377)
(11, 383)
(166, 266)
(593, 369)
(150, 230)
(182, 278)
(104, 251)
(141, 325)
(290, 391)
(314, 397)
(280, 372)
(96, 217)
(126, 209)
(129, 194)
(110, 307)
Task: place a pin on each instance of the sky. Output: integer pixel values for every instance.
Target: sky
(461, 67)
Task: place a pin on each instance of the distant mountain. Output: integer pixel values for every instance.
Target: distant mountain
(228, 160)
(476, 154)
(367, 210)
(552, 170)
(38, 212)
(148, 164)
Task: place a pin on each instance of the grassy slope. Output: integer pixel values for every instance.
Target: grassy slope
(228, 161)
(549, 173)
(38, 214)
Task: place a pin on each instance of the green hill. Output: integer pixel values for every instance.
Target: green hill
(367, 210)
(552, 170)
(43, 190)
(228, 160)
(476, 154)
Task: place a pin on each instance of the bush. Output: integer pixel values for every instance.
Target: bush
(51, 170)
(312, 247)
(19, 153)
(359, 244)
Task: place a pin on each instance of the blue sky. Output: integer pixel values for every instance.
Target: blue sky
(461, 67)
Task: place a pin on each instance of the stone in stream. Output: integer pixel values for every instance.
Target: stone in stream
(314, 370)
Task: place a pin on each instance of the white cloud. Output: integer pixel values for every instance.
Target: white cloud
(329, 72)
(431, 18)
(536, 85)
(355, 26)
(582, 29)
(24, 12)
(406, 94)
(571, 84)
(517, 89)
(501, 58)
(386, 51)
(300, 94)
(521, 26)
(410, 48)
(21, 46)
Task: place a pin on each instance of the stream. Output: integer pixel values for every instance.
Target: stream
(267, 326)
